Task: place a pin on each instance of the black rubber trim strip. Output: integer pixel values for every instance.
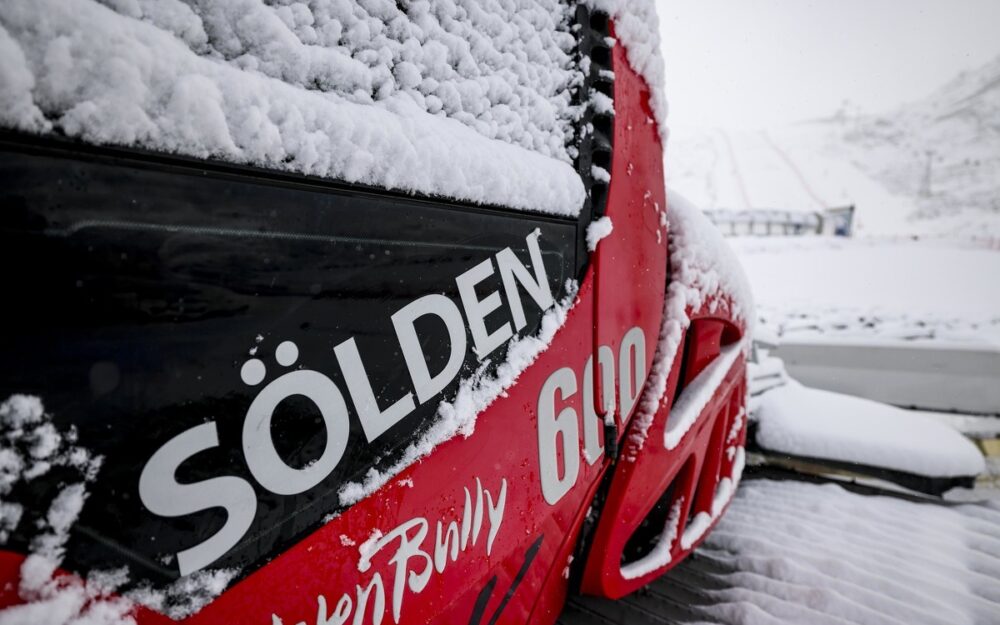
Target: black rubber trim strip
(12, 141)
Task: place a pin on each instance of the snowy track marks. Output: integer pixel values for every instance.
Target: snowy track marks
(790, 552)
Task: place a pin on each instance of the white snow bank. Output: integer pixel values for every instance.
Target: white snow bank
(702, 268)
(464, 99)
(874, 289)
(804, 553)
(807, 422)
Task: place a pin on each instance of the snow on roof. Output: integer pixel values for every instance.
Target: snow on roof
(464, 99)
(812, 423)
(457, 98)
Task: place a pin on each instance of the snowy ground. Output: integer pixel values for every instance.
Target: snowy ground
(874, 288)
(791, 552)
(807, 553)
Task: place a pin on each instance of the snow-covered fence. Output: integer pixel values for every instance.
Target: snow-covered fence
(770, 222)
(949, 377)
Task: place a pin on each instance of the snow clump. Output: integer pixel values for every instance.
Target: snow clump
(30, 447)
(598, 230)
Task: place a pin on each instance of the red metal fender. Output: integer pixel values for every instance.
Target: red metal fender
(658, 492)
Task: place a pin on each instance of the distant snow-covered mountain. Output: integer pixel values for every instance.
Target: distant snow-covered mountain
(943, 151)
(927, 167)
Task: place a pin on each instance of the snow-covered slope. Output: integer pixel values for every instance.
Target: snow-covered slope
(943, 151)
(738, 170)
(930, 167)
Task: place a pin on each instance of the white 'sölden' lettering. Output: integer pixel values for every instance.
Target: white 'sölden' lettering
(163, 495)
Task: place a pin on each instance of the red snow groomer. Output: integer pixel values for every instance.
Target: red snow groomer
(364, 406)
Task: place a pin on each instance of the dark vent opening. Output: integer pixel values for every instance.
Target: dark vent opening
(599, 193)
(602, 158)
(595, 134)
(602, 133)
(601, 54)
(599, 22)
(683, 375)
(650, 532)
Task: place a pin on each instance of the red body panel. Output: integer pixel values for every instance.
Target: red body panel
(694, 468)
(507, 543)
(631, 262)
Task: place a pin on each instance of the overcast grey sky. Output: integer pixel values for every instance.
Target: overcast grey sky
(754, 63)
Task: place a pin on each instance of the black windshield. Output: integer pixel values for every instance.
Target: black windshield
(137, 288)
